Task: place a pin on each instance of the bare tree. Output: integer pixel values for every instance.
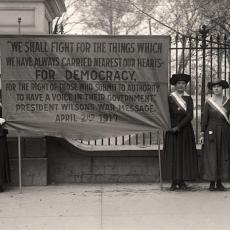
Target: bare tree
(71, 18)
(216, 14)
(110, 17)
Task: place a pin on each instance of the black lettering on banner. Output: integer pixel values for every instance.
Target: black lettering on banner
(16, 46)
(87, 117)
(46, 61)
(35, 47)
(76, 61)
(82, 47)
(20, 97)
(108, 117)
(34, 97)
(66, 118)
(11, 87)
(102, 75)
(106, 107)
(42, 74)
(47, 97)
(99, 47)
(24, 86)
(36, 107)
(121, 47)
(155, 48)
(10, 61)
(149, 63)
(85, 80)
(62, 47)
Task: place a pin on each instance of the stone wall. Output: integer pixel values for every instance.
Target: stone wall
(65, 164)
(34, 161)
(53, 160)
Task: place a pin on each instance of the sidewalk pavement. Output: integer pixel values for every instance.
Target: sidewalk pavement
(114, 207)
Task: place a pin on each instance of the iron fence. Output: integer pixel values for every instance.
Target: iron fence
(138, 139)
(203, 56)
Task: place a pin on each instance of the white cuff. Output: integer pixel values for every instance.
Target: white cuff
(2, 121)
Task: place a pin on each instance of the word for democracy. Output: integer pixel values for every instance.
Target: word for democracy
(101, 75)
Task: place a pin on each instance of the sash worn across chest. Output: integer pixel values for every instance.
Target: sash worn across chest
(179, 101)
(218, 108)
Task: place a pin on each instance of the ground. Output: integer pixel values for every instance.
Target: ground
(114, 207)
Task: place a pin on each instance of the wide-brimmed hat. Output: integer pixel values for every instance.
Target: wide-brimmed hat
(218, 81)
(179, 77)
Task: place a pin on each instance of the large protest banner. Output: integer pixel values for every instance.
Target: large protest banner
(85, 87)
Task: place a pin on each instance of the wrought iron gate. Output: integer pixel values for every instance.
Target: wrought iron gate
(203, 56)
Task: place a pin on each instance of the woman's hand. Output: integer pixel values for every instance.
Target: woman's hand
(2, 121)
(174, 129)
(202, 140)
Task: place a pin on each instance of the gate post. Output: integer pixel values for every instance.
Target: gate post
(204, 32)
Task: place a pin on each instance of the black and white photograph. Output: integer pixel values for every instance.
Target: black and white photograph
(114, 114)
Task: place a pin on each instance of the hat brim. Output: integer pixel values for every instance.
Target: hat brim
(222, 83)
(180, 77)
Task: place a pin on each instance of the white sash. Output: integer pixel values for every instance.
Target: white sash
(218, 108)
(179, 100)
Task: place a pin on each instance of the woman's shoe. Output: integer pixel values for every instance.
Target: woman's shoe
(173, 186)
(212, 186)
(1, 189)
(220, 186)
(183, 186)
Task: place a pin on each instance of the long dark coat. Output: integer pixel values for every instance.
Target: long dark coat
(216, 149)
(4, 156)
(180, 155)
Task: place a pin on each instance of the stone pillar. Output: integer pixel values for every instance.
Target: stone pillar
(36, 18)
(36, 15)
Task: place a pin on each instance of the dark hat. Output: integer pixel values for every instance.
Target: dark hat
(218, 81)
(179, 77)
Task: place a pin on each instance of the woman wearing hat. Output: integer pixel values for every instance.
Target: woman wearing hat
(215, 135)
(180, 157)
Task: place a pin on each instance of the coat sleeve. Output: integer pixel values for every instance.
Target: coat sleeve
(189, 114)
(205, 117)
(170, 108)
(228, 108)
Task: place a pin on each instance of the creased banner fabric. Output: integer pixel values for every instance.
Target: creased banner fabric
(85, 87)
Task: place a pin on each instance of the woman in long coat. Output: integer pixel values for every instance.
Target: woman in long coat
(180, 156)
(215, 134)
(4, 159)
